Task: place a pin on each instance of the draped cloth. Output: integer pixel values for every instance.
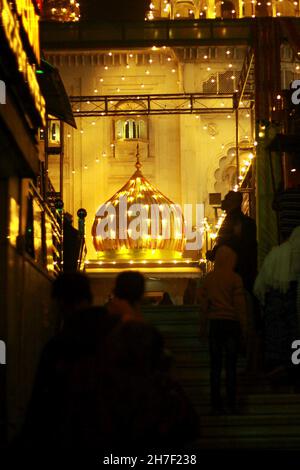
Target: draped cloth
(281, 266)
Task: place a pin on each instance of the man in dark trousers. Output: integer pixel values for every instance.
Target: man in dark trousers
(239, 233)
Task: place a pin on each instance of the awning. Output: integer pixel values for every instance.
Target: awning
(57, 100)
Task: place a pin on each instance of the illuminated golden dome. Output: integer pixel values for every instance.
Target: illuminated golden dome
(139, 222)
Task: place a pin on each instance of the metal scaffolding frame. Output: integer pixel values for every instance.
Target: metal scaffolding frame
(176, 103)
(264, 35)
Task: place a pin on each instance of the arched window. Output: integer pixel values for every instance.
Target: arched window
(184, 9)
(228, 10)
(134, 125)
(130, 128)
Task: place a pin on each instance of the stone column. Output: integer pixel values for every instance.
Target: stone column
(248, 8)
(211, 12)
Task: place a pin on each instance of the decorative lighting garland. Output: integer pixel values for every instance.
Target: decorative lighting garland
(166, 11)
(123, 78)
(246, 163)
(62, 10)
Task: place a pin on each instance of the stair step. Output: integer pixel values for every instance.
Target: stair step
(248, 410)
(268, 419)
(248, 443)
(246, 423)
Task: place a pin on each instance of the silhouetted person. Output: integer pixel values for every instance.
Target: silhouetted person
(70, 293)
(239, 232)
(71, 244)
(103, 383)
(166, 299)
(131, 403)
(224, 304)
(128, 294)
(189, 296)
(82, 331)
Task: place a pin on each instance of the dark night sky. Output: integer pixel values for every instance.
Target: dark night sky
(110, 10)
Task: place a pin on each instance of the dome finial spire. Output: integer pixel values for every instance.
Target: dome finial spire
(138, 164)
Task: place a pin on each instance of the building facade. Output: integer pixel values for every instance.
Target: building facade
(179, 9)
(178, 103)
(31, 98)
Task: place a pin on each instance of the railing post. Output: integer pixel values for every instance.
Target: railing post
(59, 207)
(81, 214)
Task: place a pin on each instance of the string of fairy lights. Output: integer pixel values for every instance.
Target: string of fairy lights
(166, 58)
(69, 11)
(171, 9)
(123, 80)
(169, 61)
(62, 10)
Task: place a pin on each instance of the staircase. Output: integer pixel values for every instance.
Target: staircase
(269, 420)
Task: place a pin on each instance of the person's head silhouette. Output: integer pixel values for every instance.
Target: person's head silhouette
(130, 286)
(71, 292)
(232, 201)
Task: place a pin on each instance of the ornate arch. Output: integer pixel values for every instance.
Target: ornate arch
(184, 9)
(225, 174)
